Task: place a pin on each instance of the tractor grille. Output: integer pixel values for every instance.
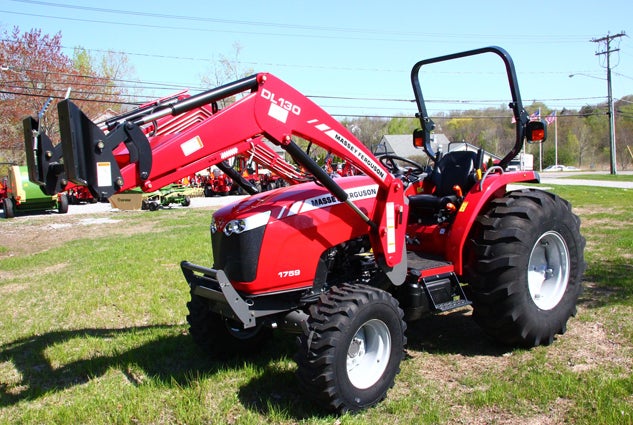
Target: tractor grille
(237, 255)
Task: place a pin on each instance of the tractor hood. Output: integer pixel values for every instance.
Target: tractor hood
(274, 240)
(296, 199)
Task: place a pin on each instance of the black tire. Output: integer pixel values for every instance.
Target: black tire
(208, 192)
(153, 205)
(220, 337)
(529, 229)
(7, 205)
(334, 339)
(62, 204)
(186, 201)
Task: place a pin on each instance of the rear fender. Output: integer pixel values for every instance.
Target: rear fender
(492, 186)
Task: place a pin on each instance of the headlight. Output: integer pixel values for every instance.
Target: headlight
(234, 226)
(241, 225)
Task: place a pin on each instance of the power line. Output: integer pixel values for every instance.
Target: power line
(223, 31)
(287, 25)
(301, 66)
(46, 96)
(166, 86)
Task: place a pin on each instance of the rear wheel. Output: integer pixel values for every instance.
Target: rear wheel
(222, 337)
(349, 358)
(525, 266)
(7, 205)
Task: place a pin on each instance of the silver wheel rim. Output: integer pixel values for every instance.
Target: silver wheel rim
(548, 270)
(368, 354)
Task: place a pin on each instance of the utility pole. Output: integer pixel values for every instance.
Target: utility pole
(607, 51)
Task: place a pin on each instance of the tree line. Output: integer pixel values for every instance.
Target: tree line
(575, 137)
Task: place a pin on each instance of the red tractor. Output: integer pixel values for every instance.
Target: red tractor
(344, 263)
(217, 183)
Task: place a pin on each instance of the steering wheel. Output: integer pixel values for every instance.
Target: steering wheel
(389, 161)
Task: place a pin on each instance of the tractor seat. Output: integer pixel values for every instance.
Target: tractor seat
(457, 168)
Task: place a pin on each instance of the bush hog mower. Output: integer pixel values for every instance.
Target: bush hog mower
(345, 262)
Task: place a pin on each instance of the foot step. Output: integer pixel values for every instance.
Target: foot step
(445, 292)
(452, 305)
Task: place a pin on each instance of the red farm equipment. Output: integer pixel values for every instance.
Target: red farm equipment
(4, 187)
(217, 183)
(262, 167)
(344, 263)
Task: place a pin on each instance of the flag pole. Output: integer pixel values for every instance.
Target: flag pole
(555, 139)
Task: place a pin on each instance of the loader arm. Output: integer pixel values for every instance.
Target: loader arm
(267, 108)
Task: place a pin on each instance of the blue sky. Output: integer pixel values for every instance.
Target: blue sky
(351, 49)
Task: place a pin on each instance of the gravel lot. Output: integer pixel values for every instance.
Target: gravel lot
(197, 202)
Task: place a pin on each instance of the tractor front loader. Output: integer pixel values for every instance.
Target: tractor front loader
(344, 263)
(45, 160)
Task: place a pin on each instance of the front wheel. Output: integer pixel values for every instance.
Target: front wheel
(349, 357)
(524, 267)
(221, 337)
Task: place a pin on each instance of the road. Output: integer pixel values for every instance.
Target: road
(566, 178)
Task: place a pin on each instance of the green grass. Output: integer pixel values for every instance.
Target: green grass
(601, 177)
(94, 331)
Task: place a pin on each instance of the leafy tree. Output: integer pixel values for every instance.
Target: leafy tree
(368, 130)
(402, 125)
(34, 68)
(224, 70)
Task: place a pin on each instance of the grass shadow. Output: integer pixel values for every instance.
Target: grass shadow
(171, 356)
(452, 333)
(276, 393)
(38, 376)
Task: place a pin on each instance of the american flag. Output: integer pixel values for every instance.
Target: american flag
(551, 117)
(535, 116)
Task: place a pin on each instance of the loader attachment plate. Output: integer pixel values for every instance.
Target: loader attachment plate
(43, 160)
(88, 151)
